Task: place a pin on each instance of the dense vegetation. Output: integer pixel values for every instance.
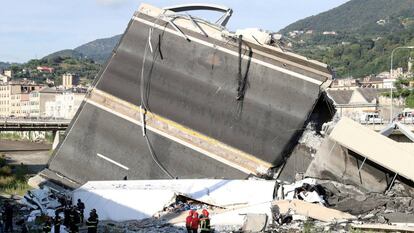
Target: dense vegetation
(13, 178)
(85, 69)
(362, 45)
(354, 16)
(359, 56)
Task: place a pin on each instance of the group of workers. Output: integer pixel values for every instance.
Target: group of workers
(193, 222)
(73, 218)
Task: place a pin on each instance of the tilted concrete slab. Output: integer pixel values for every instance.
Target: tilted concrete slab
(195, 123)
(375, 147)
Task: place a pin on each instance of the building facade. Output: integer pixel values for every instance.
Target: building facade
(65, 105)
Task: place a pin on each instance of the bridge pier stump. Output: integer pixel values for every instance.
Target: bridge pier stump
(56, 139)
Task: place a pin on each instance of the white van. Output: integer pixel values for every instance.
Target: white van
(407, 116)
(370, 118)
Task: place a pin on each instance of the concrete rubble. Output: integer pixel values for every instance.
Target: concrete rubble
(238, 205)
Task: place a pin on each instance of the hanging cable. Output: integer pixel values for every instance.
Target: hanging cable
(239, 73)
(144, 107)
(154, 157)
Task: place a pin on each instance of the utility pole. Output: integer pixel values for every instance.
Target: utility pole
(391, 70)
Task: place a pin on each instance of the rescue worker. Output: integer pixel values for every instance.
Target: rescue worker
(92, 223)
(194, 222)
(205, 222)
(188, 221)
(66, 216)
(57, 221)
(93, 211)
(47, 226)
(81, 208)
(74, 220)
(8, 217)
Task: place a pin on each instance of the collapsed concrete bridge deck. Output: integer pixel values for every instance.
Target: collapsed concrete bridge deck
(173, 102)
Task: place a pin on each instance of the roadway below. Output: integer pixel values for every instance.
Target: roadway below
(11, 145)
(34, 155)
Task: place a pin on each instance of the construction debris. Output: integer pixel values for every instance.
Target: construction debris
(305, 189)
(42, 199)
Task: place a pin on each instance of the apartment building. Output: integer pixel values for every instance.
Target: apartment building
(14, 96)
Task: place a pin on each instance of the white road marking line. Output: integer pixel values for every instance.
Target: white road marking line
(280, 69)
(112, 161)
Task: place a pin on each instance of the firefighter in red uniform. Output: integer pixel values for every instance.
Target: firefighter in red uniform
(188, 221)
(205, 222)
(194, 223)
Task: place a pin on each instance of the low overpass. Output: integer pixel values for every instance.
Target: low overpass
(22, 124)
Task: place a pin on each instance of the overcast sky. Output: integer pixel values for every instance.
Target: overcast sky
(34, 28)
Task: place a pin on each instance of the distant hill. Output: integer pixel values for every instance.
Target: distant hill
(355, 15)
(67, 53)
(97, 50)
(4, 65)
(363, 34)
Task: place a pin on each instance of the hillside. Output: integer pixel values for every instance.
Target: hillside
(362, 34)
(97, 50)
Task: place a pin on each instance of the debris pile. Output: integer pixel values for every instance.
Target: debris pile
(183, 203)
(236, 205)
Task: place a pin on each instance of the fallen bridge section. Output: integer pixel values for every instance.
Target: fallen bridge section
(167, 105)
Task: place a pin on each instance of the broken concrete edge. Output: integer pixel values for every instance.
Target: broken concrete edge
(324, 100)
(178, 194)
(56, 180)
